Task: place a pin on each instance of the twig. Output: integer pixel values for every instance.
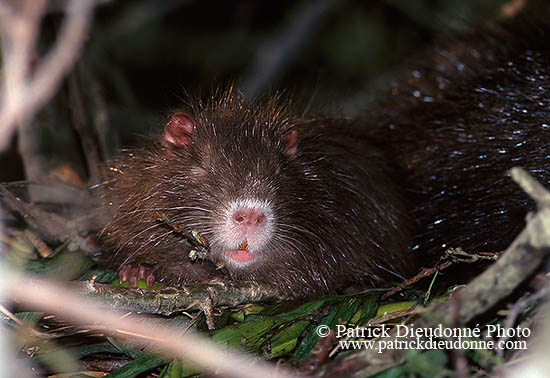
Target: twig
(200, 245)
(531, 186)
(393, 315)
(81, 124)
(101, 365)
(107, 140)
(10, 315)
(320, 353)
(170, 300)
(426, 272)
(451, 256)
(459, 361)
(49, 226)
(42, 248)
(208, 310)
(27, 212)
(24, 95)
(61, 301)
(517, 309)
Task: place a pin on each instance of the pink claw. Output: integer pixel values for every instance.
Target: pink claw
(123, 273)
(150, 280)
(134, 272)
(133, 281)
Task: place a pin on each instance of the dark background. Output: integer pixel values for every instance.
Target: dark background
(331, 56)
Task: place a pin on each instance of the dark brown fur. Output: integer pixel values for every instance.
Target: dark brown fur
(459, 124)
(431, 159)
(338, 219)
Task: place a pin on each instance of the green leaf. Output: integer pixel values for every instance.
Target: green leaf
(30, 318)
(178, 369)
(390, 308)
(139, 366)
(128, 349)
(252, 334)
(285, 341)
(367, 310)
(249, 335)
(340, 313)
(428, 364)
(395, 372)
(93, 349)
(293, 309)
(82, 351)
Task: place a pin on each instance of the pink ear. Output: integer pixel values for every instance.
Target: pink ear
(290, 141)
(178, 130)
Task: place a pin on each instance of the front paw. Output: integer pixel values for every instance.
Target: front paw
(134, 272)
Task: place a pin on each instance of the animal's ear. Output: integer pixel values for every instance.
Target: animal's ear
(290, 142)
(178, 130)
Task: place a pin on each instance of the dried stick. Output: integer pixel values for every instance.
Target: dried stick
(450, 257)
(81, 123)
(24, 94)
(55, 299)
(170, 300)
(28, 213)
(516, 310)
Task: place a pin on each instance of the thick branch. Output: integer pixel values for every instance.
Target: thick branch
(58, 300)
(170, 300)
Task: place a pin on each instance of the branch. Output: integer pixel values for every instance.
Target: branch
(22, 94)
(170, 300)
(63, 302)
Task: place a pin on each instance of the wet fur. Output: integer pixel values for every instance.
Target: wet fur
(459, 123)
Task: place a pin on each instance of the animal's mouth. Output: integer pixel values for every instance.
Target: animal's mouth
(241, 255)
